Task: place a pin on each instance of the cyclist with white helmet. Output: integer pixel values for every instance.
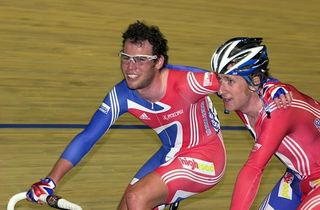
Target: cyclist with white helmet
(292, 134)
(171, 100)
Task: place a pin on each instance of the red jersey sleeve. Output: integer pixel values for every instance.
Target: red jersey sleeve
(203, 83)
(269, 137)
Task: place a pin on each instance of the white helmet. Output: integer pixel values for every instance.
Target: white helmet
(241, 56)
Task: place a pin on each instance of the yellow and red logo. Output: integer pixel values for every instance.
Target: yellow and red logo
(197, 165)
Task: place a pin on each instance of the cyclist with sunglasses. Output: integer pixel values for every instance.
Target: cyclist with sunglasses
(171, 100)
(174, 103)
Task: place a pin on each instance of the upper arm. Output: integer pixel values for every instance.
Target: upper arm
(203, 83)
(109, 111)
(272, 133)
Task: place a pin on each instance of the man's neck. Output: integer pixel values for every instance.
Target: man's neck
(253, 107)
(157, 88)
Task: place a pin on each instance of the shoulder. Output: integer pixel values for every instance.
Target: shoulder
(119, 91)
(183, 68)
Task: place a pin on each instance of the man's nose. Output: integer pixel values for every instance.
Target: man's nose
(221, 90)
(131, 64)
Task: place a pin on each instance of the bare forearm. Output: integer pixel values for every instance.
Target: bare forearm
(61, 167)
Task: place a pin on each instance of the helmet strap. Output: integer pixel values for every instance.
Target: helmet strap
(249, 80)
(256, 89)
(265, 104)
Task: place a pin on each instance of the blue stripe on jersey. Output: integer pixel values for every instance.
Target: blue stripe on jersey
(104, 117)
(84, 141)
(168, 136)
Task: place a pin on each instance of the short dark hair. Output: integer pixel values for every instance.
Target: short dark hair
(139, 31)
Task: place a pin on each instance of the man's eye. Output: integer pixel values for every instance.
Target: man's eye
(125, 58)
(141, 59)
(228, 80)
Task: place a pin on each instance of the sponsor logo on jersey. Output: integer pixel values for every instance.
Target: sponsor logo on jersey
(285, 190)
(317, 123)
(104, 108)
(315, 183)
(214, 121)
(205, 119)
(144, 116)
(197, 165)
(172, 115)
(213, 117)
(207, 80)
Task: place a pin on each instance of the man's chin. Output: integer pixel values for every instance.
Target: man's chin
(229, 108)
(131, 85)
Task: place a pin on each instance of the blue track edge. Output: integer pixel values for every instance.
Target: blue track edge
(236, 128)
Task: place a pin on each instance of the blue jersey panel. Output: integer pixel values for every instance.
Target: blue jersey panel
(113, 106)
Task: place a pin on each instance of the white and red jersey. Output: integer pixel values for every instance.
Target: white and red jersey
(192, 156)
(292, 134)
(181, 117)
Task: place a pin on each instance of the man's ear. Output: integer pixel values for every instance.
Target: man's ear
(160, 62)
(256, 80)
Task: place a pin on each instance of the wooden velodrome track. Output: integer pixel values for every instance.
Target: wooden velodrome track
(59, 58)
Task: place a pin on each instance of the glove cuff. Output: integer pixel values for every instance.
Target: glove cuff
(50, 182)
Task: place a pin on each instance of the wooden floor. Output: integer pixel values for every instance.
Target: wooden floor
(59, 58)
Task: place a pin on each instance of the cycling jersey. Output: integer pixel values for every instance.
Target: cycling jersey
(192, 156)
(293, 135)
